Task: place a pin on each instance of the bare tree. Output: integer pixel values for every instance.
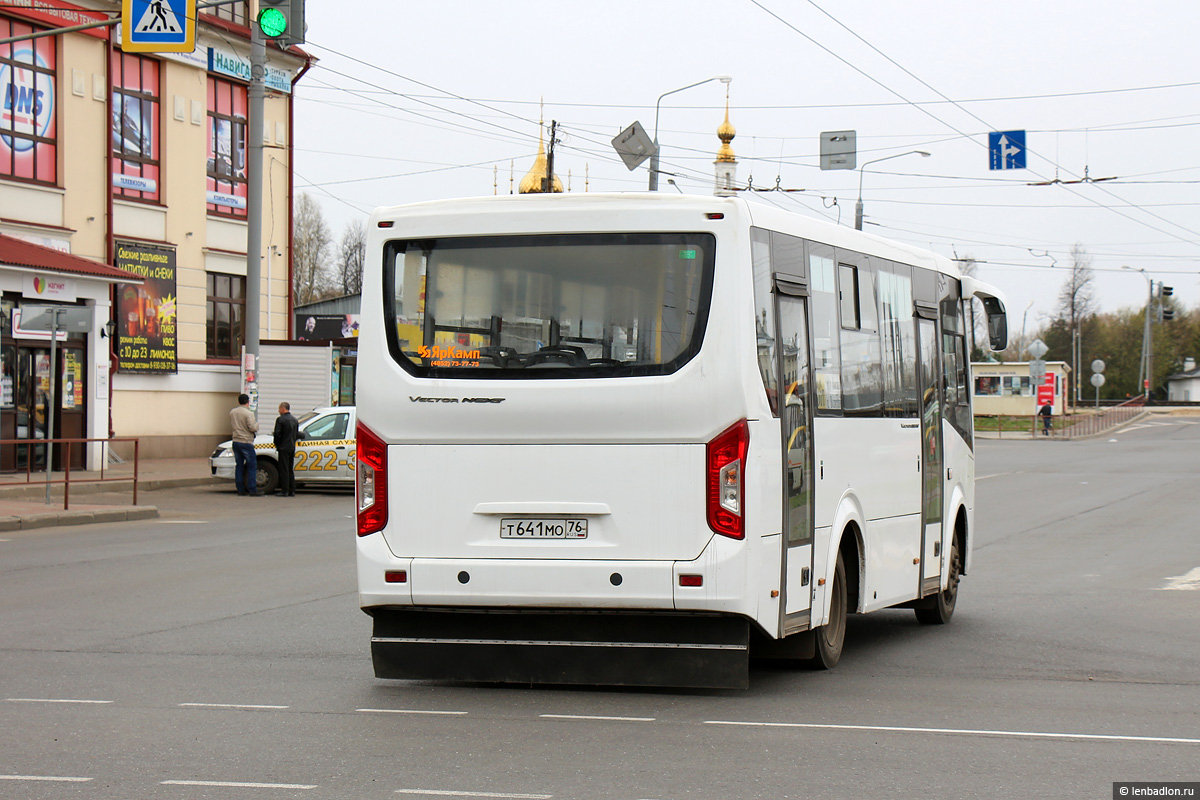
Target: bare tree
(310, 252)
(1076, 303)
(352, 255)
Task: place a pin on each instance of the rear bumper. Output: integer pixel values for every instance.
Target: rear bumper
(611, 648)
(726, 567)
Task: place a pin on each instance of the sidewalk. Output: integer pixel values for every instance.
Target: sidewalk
(23, 506)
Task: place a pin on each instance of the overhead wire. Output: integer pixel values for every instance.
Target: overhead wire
(957, 105)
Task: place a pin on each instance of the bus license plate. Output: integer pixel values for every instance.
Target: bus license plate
(527, 528)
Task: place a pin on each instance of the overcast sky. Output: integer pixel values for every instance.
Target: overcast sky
(413, 101)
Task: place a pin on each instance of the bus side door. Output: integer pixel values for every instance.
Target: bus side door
(795, 414)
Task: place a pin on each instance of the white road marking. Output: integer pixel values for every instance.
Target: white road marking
(963, 732)
(448, 793)
(1188, 583)
(241, 785)
(56, 700)
(229, 705)
(409, 711)
(51, 778)
(586, 716)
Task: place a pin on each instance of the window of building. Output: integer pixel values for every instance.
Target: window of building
(231, 12)
(226, 330)
(226, 148)
(28, 126)
(987, 386)
(136, 123)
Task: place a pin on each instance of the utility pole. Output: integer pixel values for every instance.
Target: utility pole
(548, 181)
(1148, 345)
(254, 206)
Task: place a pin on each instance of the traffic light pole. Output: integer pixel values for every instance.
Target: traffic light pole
(254, 203)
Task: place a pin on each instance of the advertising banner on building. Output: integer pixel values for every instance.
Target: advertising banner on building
(319, 327)
(146, 314)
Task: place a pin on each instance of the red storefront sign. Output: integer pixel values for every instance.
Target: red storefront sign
(1045, 392)
(58, 14)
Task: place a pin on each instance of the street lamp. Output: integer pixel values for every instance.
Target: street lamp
(858, 208)
(1144, 376)
(1024, 317)
(654, 158)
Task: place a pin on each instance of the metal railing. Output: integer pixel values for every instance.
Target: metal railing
(1073, 425)
(63, 478)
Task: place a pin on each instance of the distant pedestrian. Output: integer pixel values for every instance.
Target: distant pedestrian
(1044, 412)
(287, 431)
(245, 426)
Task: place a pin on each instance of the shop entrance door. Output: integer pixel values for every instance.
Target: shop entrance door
(31, 400)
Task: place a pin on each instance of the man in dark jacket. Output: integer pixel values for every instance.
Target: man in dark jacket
(1044, 412)
(287, 430)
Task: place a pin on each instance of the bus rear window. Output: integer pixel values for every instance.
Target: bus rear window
(545, 306)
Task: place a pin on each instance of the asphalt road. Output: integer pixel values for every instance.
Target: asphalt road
(219, 652)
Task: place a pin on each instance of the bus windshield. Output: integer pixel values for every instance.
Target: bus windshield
(544, 306)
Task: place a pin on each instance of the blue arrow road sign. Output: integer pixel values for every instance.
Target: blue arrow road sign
(158, 26)
(1006, 150)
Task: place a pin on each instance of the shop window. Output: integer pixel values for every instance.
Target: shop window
(28, 125)
(987, 386)
(226, 329)
(227, 105)
(136, 122)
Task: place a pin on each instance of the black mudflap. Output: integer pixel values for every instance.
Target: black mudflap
(566, 647)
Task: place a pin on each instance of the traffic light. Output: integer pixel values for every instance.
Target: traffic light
(1168, 314)
(282, 21)
(1165, 291)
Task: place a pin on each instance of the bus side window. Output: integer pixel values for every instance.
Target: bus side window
(764, 314)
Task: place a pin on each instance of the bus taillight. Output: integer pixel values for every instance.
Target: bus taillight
(726, 462)
(371, 482)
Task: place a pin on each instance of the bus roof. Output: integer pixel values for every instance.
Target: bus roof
(761, 215)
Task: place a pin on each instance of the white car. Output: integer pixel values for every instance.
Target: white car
(325, 451)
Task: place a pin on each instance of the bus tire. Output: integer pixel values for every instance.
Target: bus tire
(938, 609)
(268, 476)
(832, 635)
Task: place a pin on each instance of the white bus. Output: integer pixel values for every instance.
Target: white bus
(636, 439)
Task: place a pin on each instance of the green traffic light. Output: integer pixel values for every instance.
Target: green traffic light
(272, 22)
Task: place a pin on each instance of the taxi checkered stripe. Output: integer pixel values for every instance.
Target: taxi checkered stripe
(316, 443)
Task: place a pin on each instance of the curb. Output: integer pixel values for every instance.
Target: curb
(52, 519)
(37, 491)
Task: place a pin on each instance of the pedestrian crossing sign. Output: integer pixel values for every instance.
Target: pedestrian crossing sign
(158, 26)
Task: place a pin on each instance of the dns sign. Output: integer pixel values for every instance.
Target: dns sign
(28, 101)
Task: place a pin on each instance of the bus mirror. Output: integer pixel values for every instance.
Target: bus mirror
(997, 323)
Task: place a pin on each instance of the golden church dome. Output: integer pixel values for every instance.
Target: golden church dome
(725, 133)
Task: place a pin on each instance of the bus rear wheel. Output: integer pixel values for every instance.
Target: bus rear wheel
(938, 609)
(832, 635)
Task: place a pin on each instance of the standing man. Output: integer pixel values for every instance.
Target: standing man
(287, 430)
(244, 425)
